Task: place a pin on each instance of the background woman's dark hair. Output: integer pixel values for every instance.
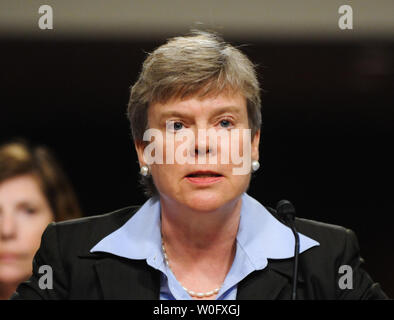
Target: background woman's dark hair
(19, 158)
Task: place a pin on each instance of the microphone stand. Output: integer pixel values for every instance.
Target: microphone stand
(295, 267)
(287, 211)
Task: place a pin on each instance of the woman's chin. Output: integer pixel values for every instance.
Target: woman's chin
(12, 276)
(205, 201)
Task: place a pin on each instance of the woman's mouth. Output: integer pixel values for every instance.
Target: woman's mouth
(9, 257)
(204, 177)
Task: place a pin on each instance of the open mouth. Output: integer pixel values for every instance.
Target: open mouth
(203, 174)
(204, 177)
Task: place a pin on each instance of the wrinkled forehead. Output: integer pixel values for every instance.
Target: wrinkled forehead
(208, 89)
(232, 102)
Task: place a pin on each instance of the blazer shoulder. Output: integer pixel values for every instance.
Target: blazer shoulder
(83, 233)
(119, 215)
(317, 230)
(324, 232)
(339, 250)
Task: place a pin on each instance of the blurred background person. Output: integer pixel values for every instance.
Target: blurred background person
(34, 191)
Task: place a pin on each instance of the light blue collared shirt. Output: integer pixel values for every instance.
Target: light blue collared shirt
(260, 237)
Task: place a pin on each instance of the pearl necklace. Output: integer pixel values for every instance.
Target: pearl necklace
(190, 292)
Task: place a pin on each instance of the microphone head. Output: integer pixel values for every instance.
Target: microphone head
(286, 210)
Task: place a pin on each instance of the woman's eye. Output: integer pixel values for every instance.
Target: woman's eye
(225, 123)
(178, 126)
(29, 210)
(174, 125)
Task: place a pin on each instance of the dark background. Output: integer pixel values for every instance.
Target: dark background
(327, 133)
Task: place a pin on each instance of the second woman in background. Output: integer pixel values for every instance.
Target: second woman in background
(34, 191)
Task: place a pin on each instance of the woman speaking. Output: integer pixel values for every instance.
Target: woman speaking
(195, 119)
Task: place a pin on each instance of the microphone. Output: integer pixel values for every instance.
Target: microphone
(286, 211)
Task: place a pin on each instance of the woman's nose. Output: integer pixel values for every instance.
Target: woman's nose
(201, 148)
(7, 226)
(202, 142)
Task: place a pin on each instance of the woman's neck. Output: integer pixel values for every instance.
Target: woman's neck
(200, 246)
(205, 235)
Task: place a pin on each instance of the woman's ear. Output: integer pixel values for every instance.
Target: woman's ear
(255, 145)
(139, 148)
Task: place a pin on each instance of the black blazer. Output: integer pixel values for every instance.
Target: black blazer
(79, 274)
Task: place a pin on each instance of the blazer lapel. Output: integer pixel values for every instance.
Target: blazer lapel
(267, 284)
(126, 279)
(263, 284)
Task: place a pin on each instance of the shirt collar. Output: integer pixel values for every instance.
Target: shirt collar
(260, 235)
(263, 237)
(139, 238)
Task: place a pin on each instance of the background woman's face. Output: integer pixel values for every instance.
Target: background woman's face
(24, 214)
(173, 181)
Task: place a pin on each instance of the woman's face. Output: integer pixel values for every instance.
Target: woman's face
(24, 214)
(201, 186)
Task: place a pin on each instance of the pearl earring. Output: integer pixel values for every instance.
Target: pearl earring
(144, 171)
(255, 165)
